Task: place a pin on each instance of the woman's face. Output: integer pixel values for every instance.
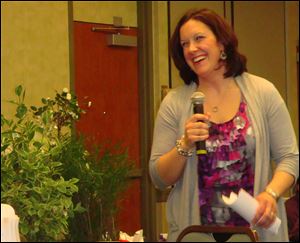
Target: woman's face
(200, 47)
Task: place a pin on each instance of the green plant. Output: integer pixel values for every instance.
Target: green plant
(46, 170)
(103, 176)
(31, 178)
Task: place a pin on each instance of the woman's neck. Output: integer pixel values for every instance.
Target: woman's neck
(217, 83)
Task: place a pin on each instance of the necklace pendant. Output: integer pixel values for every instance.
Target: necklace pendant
(215, 109)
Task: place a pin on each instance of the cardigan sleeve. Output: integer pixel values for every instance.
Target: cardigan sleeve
(283, 143)
(164, 136)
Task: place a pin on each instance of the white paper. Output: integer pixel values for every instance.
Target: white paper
(138, 236)
(245, 205)
(9, 224)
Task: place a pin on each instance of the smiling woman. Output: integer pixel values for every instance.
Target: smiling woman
(200, 47)
(200, 30)
(244, 119)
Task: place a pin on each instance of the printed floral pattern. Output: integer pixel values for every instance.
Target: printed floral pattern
(228, 166)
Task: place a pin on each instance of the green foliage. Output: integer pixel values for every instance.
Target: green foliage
(103, 176)
(31, 180)
(58, 189)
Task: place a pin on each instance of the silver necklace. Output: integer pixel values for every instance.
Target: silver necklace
(215, 108)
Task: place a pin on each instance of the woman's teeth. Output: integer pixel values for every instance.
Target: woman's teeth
(198, 59)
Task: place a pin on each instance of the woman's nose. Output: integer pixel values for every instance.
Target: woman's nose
(192, 46)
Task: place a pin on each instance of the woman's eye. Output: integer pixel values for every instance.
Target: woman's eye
(184, 44)
(199, 37)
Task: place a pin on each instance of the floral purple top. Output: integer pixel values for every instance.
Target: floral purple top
(227, 166)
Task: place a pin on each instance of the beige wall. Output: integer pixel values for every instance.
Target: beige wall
(34, 50)
(292, 41)
(160, 45)
(259, 26)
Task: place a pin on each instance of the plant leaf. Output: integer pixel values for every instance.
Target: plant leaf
(21, 111)
(33, 108)
(18, 90)
(23, 97)
(37, 144)
(3, 148)
(31, 135)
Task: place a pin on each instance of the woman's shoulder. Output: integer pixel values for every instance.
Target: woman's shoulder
(259, 89)
(177, 100)
(180, 93)
(255, 82)
(256, 85)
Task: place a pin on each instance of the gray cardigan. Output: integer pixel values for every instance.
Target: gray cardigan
(274, 136)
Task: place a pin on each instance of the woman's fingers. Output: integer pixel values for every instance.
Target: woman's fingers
(196, 129)
(266, 211)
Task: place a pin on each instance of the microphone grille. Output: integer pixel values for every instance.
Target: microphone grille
(198, 97)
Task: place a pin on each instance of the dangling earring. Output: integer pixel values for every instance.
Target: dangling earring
(223, 55)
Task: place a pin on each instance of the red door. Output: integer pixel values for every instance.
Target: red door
(108, 76)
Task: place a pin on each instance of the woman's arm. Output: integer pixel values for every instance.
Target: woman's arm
(281, 182)
(170, 166)
(267, 210)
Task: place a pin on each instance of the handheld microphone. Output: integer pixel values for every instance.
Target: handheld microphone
(198, 100)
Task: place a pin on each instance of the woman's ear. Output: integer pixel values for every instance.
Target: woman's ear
(221, 46)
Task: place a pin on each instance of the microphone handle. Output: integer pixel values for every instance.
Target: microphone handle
(200, 145)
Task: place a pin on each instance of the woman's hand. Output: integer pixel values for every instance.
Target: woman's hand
(266, 211)
(196, 129)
